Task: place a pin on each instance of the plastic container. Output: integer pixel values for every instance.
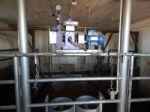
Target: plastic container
(87, 107)
(61, 108)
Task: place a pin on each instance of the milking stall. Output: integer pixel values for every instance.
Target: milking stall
(74, 56)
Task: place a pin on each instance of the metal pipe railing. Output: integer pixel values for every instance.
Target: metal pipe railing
(22, 31)
(23, 48)
(16, 74)
(74, 79)
(54, 54)
(130, 83)
(2, 82)
(8, 107)
(140, 100)
(140, 78)
(73, 54)
(135, 100)
(73, 103)
(119, 47)
(124, 48)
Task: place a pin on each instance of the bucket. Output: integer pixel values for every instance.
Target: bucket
(64, 108)
(87, 107)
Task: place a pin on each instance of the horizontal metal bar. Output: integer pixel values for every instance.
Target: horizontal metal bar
(73, 103)
(140, 100)
(74, 79)
(2, 82)
(26, 54)
(8, 107)
(54, 54)
(71, 54)
(140, 78)
(138, 54)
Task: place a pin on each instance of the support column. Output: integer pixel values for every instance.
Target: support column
(125, 35)
(16, 76)
(23, 48)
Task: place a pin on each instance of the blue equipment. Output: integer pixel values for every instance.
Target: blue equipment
(94, 38)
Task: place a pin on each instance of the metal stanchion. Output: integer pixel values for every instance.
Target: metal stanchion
(130, 83)
(16, 74)
(125, 34)
(23, 48)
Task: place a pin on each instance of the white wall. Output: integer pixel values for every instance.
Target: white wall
(113, 44)
(9, 40)
(144, 63)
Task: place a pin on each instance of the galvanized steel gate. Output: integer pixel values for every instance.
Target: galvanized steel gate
(124, 77)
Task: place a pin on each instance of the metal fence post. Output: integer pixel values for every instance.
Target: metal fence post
(130, 83)
(16, 74)
(23, 48)
(125, 34)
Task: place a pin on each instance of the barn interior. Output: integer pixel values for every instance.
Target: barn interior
(74, 55)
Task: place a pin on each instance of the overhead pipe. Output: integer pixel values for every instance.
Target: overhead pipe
(23, 48)
(124, 48)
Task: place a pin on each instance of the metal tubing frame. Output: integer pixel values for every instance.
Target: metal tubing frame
(140, 78)
(75, 79)
(125, 34)
(2, 82)
(8, 107)
(11, 107)
(16, 74)
(125, 31)
(79, 79)
(119, 47)
(140, 100)
(73, 103)
(23, 48)
(130, 83)
(16, 82)
(55, 54)
(46, 101)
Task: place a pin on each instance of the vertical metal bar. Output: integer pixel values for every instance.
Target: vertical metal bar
(125, 34)
(101, 105)
(58, 31)
(130, 83)
(119, 45)
(74, 108)
(16, 74)
(46, 101)
(23, 43)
